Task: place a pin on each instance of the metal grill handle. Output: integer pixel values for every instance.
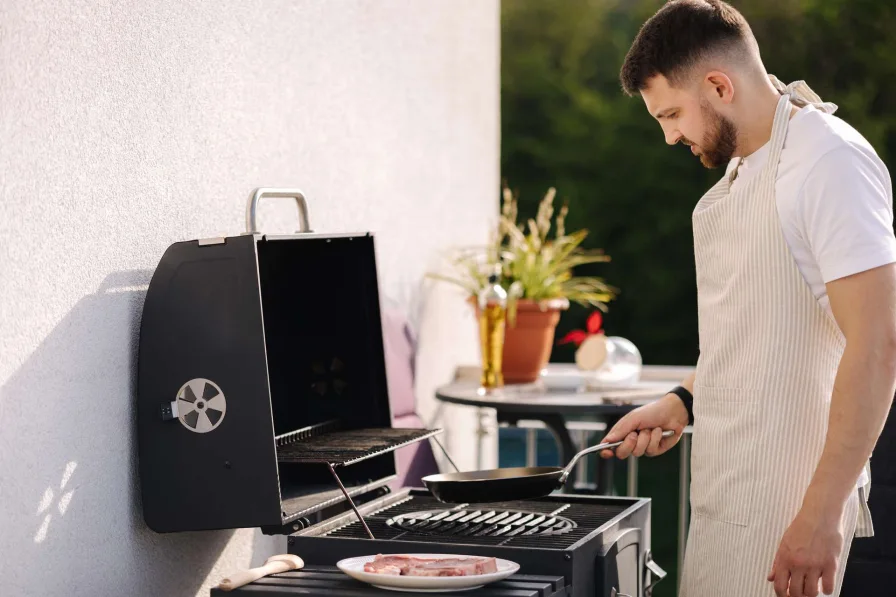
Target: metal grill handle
(258, 194)
(654, 568)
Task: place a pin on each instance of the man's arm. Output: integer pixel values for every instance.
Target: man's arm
(689, 382)
(864, 306)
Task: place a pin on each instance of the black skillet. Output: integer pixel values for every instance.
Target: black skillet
(506, 484)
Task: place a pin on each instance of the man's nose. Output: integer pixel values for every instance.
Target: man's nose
(672, 136)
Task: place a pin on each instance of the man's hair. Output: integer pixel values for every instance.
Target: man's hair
(680, 36)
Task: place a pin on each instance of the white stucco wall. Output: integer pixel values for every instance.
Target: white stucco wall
(126, 126)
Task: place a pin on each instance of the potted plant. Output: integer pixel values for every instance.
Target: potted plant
(537, 266)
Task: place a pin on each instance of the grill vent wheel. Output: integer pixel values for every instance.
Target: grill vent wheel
(201, 405)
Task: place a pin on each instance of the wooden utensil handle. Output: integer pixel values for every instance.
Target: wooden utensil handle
(244, 577)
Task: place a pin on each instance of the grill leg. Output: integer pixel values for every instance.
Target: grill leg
(445, 452)
(350, 501)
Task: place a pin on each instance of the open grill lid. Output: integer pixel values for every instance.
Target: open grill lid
(261, 371)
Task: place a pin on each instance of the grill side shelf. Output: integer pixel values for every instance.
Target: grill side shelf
(343, 448)
(284, 439)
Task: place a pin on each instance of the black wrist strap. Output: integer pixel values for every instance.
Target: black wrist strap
(687, 398)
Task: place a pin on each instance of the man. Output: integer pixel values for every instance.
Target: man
(796, 284)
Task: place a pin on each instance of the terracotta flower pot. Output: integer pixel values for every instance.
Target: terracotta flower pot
(528, 343)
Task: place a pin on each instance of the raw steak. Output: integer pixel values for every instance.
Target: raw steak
(410, 566)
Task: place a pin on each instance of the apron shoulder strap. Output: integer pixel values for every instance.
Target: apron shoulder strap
(779, 132)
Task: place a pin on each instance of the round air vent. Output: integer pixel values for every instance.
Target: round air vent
(328, 378)
(201, 405)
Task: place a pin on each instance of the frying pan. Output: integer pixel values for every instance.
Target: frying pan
(506, 484)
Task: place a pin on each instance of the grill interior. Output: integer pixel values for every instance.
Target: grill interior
(348, 447)
(571, 521)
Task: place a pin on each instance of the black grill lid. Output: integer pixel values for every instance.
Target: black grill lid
(260, 362)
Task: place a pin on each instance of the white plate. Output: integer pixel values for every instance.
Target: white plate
(563, 377)
(354, 567)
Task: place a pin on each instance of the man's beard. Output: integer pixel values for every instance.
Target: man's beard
(720, 140)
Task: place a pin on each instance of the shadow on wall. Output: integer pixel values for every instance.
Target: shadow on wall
(72, 521)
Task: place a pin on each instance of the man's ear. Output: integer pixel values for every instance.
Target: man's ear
(717, 84)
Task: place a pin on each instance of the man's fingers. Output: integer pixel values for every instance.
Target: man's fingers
(656, 438)
(627, 446)
(618, 433)
(782, 578)
(810, 585)
(642, 443)
(827, 578)
(666, 443)
(797, 578)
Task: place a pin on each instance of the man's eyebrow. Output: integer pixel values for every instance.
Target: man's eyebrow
(663, 113)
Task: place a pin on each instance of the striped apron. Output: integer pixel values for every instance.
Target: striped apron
(769, 353)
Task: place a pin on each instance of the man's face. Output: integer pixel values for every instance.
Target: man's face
(688, 118)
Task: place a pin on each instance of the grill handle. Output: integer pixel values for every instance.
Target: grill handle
(258, 194)
(654, 569)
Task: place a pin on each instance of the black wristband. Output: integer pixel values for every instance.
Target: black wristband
(687, 399)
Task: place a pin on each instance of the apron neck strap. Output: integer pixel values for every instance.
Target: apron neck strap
(801, 95)
(779, 131)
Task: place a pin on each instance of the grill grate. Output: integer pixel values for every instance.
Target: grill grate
(341, 448)
(583, 519)
(482, 523)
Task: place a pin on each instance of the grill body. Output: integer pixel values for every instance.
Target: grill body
(606, 549)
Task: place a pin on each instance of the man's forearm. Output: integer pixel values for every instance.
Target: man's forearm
(689, 382)
(863, 393)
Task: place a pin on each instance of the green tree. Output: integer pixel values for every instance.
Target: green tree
(566, 123)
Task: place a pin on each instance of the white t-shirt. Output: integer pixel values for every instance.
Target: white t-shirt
(835, 201)
(834, 196)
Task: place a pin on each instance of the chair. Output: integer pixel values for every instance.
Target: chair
(417, 460)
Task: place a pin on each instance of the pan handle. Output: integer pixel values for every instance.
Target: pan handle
(607, 446)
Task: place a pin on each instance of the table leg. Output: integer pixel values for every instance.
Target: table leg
(480, 432)
(554, 423)
(605, 468)
(557, 426)
(632, 485)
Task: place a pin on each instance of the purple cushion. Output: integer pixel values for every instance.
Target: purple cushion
(398, 341)
(414, 461)
(417, 460)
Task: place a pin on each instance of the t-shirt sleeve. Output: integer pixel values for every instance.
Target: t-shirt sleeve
(847, 213)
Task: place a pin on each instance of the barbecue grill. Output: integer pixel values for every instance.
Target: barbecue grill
(262, 402)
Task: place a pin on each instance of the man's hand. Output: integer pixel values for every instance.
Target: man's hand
(809, 551)
(642, 428)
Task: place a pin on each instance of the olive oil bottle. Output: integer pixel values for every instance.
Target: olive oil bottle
(492, 321)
